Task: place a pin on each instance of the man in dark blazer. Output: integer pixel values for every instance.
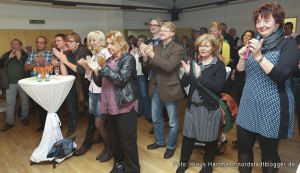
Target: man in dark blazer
(164, 86)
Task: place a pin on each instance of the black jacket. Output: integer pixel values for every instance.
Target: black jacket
(123, 77)
(213, 78)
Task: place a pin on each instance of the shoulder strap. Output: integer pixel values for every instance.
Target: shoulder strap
(215, 96)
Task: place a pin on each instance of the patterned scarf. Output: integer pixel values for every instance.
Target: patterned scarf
(272, 40)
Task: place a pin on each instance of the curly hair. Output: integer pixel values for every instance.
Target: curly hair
(270, 8)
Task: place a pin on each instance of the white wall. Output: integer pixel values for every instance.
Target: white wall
(84, 20)
(237, 15)
(80, 20)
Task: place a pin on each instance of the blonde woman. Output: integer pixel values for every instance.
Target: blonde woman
(96, 43)
(202, 120)
(119, 102)
(223, 52)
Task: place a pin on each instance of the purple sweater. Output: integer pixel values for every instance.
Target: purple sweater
(108, 104)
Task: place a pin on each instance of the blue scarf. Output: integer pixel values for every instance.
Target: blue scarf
(272, 40)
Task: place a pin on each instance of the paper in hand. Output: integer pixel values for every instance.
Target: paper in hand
(92, 63)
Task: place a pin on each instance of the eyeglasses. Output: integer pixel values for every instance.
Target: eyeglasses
(164, 31)
(70, 41)
(155, 25)
(37, 42)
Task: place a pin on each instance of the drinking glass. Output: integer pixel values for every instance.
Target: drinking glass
(56, 70)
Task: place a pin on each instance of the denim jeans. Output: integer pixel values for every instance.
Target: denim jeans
(157, 117)
(11, 95)
(72, 104)
(143, 98)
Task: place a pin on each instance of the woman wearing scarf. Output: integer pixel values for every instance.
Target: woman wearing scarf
(202, 119)
(267, 106)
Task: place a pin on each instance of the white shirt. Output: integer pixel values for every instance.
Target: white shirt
(136, 54)
(93, 87)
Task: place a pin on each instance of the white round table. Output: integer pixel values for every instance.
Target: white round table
(50, 95)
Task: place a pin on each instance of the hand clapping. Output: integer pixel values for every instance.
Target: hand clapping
(60, 55)
(186, 66)
(83, 63)
(101, 60)
(198, 71)
(147, 50)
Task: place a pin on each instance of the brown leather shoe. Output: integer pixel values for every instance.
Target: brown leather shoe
(6, 127)
(106, 155)
(81, 151)
(154, 146)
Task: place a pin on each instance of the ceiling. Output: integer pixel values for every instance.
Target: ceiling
(178, 3)
(162, 5)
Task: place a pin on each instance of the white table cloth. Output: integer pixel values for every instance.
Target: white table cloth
(50, 95)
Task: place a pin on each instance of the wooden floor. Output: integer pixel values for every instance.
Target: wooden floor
(17, 145)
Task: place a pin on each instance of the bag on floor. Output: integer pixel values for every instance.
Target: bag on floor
(62, 149)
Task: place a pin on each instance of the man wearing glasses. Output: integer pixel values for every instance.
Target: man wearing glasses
(68, 66)
(154, 27)
(34, 58)
(164, 85)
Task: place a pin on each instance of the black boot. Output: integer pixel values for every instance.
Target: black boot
(118, 168)
(182, 167)
(209, 156)
(270, 168)
(106, 155)
(243, 160)
(206, 169)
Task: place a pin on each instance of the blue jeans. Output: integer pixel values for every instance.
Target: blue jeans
(94, 105)
(143, 98)
(157, 117)
(72, 104)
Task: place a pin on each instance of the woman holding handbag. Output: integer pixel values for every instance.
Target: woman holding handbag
(202, 121)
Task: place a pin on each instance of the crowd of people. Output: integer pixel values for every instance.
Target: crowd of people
(140, 76)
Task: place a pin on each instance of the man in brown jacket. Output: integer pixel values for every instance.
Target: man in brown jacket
(164, 85)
